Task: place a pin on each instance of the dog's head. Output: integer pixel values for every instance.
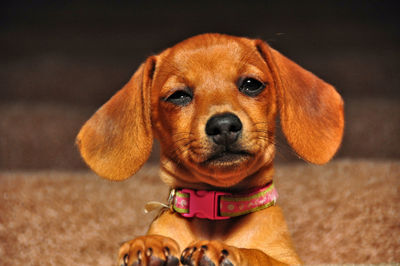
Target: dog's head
(212, 101)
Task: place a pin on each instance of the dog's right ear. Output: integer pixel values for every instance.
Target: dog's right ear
(117, 140)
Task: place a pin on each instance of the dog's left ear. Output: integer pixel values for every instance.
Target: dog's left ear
(311, 110)
(117, 140)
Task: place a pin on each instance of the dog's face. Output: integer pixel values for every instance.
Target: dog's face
(213, 111)
(212, 101)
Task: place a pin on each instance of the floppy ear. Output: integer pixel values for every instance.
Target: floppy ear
(311, 110)
(117, 140)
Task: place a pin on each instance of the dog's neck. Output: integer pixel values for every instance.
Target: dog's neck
(176, 176)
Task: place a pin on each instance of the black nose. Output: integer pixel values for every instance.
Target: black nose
(224, 129)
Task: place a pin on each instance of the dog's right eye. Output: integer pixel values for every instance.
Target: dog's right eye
(180, 98)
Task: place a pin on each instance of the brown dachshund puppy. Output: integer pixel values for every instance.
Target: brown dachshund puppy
(212, 101)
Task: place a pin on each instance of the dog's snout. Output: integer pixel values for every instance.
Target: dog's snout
(224, 129)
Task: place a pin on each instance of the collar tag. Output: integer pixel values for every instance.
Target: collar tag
(157, 206)
(153, 206)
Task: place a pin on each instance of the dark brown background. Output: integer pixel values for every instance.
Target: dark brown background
(62, 60)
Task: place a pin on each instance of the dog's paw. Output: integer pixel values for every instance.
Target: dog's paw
(149, 250)
(210, 253)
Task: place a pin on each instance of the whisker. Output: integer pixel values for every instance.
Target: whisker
(283, 150)
(180, 133)
(175, 157)
(260, 130)
(182, 139)
(178, 148)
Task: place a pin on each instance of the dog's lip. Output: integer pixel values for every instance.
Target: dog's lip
(227, 156)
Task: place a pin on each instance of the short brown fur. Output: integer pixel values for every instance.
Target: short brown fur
(117, 140)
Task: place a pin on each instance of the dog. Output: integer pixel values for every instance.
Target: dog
(212, 101)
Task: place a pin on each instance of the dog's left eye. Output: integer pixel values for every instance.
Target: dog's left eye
(251, 87)
(180, 98)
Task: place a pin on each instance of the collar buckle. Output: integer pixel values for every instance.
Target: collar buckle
(204, 204)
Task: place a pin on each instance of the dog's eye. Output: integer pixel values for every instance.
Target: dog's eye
(251, 87)
(180, 98)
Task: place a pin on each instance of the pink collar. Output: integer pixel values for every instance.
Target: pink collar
(216, 205)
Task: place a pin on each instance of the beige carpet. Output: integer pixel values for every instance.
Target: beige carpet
(345, 212)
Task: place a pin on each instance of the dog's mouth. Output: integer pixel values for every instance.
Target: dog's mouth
(227, 157)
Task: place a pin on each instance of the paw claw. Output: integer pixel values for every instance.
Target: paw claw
(126, 258)
(149, 250)
(185, 251)
(139, 255)
(166, 251)
(208, 253)
(185, 260)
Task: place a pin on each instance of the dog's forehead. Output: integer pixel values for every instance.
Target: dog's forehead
(211, 54)
(205, 53)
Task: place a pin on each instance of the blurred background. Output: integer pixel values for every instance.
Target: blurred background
(61, 60)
